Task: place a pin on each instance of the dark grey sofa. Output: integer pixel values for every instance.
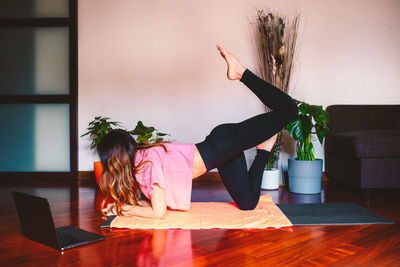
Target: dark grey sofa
(362, 147)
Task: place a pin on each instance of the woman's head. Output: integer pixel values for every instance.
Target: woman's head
(117, 154)
(116, 151)
(116, 144)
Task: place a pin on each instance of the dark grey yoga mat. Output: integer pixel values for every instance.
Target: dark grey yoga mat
(330, 214)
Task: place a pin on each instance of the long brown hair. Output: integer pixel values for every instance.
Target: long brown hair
(117, 153)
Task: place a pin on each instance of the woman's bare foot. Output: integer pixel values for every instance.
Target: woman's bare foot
(235, 69)
(268, 144)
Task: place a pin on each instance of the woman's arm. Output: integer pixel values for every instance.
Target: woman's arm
(157, 209)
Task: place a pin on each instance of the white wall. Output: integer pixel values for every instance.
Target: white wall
(156, 61)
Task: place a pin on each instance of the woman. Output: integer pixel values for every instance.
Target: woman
(163, 172)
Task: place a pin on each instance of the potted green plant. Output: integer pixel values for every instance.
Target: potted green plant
(272, 173)
(305, 171)
(147, 134)
(96, 130)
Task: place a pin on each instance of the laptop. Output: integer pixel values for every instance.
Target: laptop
(37, 224)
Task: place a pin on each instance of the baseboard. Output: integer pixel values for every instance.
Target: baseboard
(86, 176)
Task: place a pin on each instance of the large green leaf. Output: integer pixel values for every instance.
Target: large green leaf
(314, 109)
(300, 129)
(294, 129)
(321, 118)
(304, 108)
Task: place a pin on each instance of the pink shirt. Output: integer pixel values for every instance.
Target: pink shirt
(171, 170)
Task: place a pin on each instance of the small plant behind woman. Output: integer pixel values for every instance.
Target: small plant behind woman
(101, 126)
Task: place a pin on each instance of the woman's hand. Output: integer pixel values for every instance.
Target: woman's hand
(156, 209)
(109, 210)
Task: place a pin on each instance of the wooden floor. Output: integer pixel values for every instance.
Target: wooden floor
(363, 245)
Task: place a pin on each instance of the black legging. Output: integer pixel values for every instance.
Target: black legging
(223, 147)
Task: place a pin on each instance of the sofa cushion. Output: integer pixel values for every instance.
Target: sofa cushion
(365, 144)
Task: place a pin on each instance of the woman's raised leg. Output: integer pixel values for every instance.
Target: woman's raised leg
(224, 147)
(258, 129)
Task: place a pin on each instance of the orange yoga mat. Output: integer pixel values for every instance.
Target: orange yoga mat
(209, 215)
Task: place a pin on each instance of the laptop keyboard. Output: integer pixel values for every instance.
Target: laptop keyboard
(67, 240)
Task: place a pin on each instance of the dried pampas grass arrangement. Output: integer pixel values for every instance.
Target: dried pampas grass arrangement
(276, 47)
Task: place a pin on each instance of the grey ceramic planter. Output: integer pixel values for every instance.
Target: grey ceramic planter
(305, 176)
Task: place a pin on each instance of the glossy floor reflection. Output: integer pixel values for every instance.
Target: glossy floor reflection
(78, 205)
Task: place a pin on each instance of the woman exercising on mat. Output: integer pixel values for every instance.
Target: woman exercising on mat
(163, 172)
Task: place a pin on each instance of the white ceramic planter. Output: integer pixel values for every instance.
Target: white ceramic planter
(271, 179)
